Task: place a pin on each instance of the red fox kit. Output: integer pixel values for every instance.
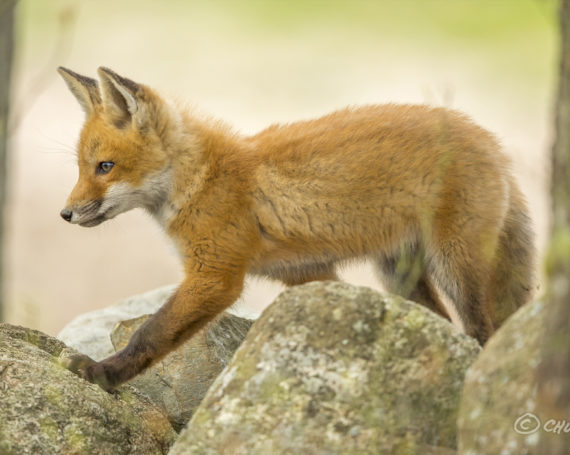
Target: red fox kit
(423, 192)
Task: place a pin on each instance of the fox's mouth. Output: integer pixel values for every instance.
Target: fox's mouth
(88, 215)
(98, 218)
(93, 221)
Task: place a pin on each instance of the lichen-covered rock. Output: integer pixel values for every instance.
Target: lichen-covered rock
(498, 412)
(180, 380)
(46, 409)
(331, 368)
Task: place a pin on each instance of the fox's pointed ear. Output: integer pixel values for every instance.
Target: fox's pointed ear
(122, 98)
(85, 89)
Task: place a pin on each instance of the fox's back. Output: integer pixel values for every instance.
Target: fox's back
(375, 133)
(359, 167)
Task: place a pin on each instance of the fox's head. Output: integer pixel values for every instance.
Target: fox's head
(123, 162)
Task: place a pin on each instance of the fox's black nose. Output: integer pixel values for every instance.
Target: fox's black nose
(66, 214)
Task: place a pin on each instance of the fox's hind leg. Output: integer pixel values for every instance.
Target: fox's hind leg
(462, 268)
(403, 272)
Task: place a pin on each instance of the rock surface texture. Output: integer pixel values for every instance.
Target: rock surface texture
(498, 412)
(331, 368)
(178, 382)
(46, 409)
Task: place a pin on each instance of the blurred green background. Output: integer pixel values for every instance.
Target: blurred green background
(251, 63)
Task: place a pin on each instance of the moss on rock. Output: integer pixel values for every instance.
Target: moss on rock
(46, 409)
(331, 368)
(498, 412)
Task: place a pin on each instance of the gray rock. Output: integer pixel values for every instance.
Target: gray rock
(498, 412)
(330, 368)
(178, 382)
(46, 409)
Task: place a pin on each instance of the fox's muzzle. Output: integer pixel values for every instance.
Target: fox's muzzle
(85, 215)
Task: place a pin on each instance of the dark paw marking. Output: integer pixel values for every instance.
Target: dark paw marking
(87, 368)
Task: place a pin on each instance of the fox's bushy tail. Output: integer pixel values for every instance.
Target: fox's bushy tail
(512, 281)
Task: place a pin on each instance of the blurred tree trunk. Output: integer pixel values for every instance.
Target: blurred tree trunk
(554, 369)
(6, 51)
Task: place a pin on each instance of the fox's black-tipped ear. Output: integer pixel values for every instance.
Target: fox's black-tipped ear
(121, 97)
(85, 89)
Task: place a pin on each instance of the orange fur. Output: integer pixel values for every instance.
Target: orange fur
(424, 192)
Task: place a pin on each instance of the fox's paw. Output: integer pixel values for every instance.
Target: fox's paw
(87, 368)
(78, 364)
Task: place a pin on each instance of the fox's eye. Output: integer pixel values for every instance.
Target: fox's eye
(104, 167)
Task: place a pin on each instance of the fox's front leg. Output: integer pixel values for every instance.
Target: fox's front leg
(196, 302)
